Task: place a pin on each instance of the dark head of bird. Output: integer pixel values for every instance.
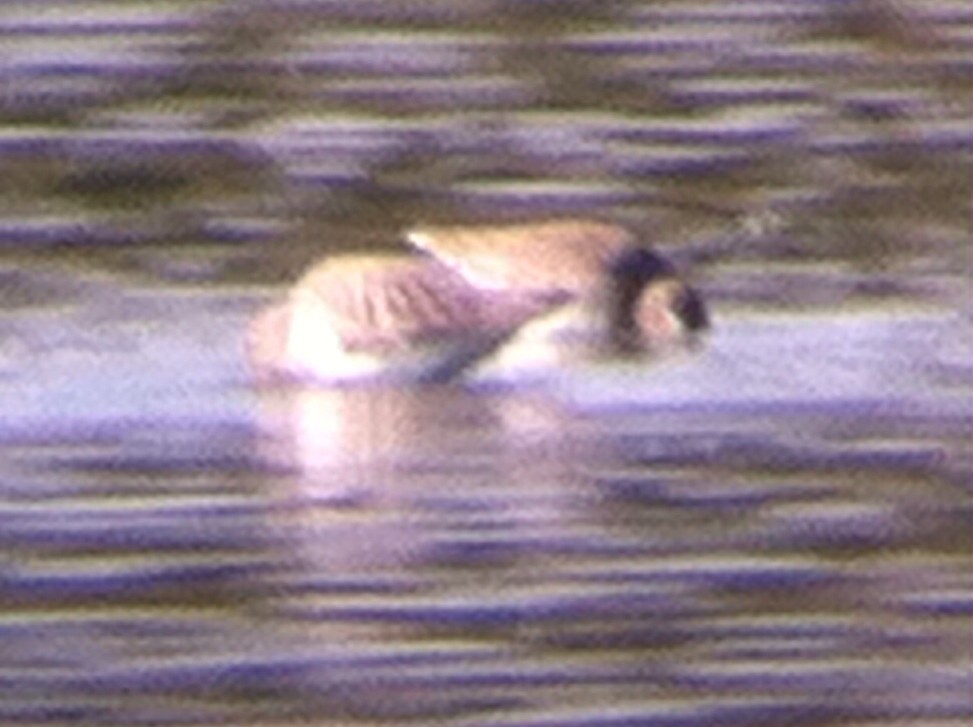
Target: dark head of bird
(648, 303)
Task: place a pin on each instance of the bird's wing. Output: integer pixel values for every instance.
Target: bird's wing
(383, 302)
(566, 256)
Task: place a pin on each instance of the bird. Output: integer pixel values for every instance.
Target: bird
(534, 294)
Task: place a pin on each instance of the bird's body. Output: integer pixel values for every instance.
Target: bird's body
(566, 255)
(535, 294)
(393, 317)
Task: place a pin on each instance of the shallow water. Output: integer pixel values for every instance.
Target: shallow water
(772, 529)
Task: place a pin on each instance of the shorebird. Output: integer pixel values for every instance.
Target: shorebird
(543, 293)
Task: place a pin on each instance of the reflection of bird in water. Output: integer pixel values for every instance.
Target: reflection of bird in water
(361, 434)
(546, 292)
(387, 477)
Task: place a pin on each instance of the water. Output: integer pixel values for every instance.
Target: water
(774, 529)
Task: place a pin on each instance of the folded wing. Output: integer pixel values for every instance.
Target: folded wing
(383, 303)
(564, 256)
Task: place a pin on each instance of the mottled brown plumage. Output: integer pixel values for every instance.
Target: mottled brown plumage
(562, 255)
(385, 301)
(576, 288)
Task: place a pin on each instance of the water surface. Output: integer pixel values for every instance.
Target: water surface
(774, 529)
